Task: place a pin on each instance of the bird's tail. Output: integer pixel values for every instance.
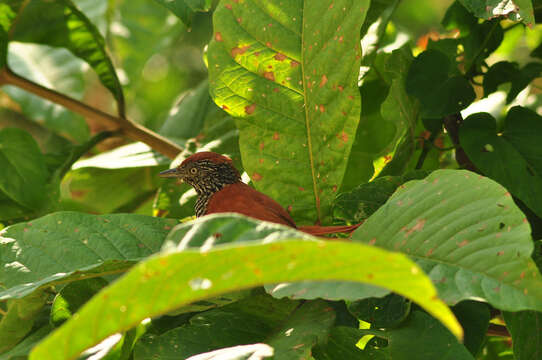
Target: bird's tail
(325, 230)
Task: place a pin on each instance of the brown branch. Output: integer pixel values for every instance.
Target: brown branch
(130, 129)
(452, 123)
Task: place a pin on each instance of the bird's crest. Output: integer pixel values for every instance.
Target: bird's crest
(207, 155)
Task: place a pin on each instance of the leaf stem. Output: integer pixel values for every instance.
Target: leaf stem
(128, 128)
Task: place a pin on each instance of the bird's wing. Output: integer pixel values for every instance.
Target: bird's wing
(243, 199)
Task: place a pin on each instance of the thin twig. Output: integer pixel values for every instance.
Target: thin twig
(128, 128)
(452, 123)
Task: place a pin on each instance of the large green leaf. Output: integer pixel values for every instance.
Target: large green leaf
(185, 9)
(210, 233)
(60, 23)
(24, 174)
(466, 232)
(513, 158)
(516, 10)
(66, 246)
(175, 278)
(292, 86)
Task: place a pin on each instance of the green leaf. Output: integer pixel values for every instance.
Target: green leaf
(135, 155)
(308, 326)
(99, 190)
(504, 71)
(146, 290)
(7, 15)
(342, 345)
(423, 338)
(386, 312)
(56, 69)
(68, 246)
(186, 118)
(211, 233)
(360, 203)
(430, 80)
(512, 159)
(474, 318)
(292, 86)
(24, 174)
(19, 319)
(485, 254)
(22, 349)
(60, 23)
(329, 290)
(185, 9)
(72, 296)
(518, 10)
(524, 326)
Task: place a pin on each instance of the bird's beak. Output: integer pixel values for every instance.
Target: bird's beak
(170, 173)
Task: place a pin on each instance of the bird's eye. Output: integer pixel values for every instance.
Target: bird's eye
(193, 171)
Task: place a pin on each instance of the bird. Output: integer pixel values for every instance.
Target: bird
(220, 189)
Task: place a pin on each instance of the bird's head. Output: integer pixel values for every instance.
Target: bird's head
(206, 171)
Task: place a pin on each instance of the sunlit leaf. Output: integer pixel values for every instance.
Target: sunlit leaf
(146, 290)
(484, 255)
(292, 86)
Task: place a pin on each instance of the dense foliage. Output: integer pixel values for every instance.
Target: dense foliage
(420, 120)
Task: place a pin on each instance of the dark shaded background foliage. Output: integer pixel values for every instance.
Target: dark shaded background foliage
(443, 85)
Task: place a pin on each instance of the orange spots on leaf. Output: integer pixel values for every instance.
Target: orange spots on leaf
(289, 208)
(370, 276)
(507, 194)
(522, 275)
(341, 39)
(262, 145)
(276, 136)
(218, 36)
(500, 253)
(294, 64)
(239, 20)
(429, 253)
(301, 188)
(276, 89)
(249, 109)
(350, 97)
(417, 227)
(269, 75)
(228, 6)
(372, 241)
(239, 50)
(225, 107)
(322, 108)
(256, 176)
(268, 44)
(340, 87)
(279, 57)
(334, 188)
(463, 243)
(343, 136)
(323, 81)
